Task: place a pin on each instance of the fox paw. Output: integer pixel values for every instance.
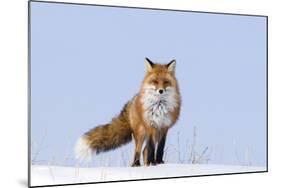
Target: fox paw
(160, 162)
(150, 164)
(135, 164)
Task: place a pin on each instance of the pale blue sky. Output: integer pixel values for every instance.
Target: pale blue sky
(87, 62)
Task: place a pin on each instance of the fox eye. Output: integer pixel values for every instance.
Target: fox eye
(155, 82)
(167, 82)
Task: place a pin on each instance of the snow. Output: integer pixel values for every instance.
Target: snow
(52, 175)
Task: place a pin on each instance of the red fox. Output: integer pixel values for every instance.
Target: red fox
(146, 118)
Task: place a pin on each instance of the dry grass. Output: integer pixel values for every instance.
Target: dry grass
(182, 151)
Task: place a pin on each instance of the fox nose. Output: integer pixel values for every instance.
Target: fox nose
(160, 91)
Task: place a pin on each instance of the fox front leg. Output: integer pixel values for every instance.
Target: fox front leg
(160, 150)
(161, 146)
(149, 151)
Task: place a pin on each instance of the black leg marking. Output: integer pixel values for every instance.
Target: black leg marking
(151, 152)
(160, 150)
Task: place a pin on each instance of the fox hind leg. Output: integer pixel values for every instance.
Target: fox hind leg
(138, 144)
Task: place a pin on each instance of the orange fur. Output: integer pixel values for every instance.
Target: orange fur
(132, 122)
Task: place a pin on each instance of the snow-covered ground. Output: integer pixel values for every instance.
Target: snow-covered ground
(48, 175)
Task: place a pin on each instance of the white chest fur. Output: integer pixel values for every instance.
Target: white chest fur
(157, 107)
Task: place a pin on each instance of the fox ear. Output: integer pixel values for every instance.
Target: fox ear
(148, 64)
(171, 66)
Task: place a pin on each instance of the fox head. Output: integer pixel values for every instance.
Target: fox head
(160, 77)
(160, 93)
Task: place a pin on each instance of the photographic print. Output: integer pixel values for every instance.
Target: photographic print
(122, 93)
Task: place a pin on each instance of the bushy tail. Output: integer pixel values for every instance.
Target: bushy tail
(105, 137)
